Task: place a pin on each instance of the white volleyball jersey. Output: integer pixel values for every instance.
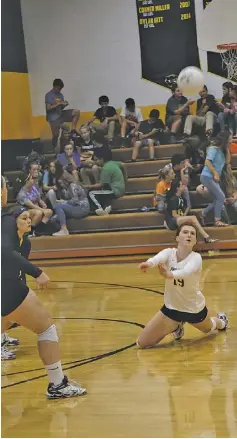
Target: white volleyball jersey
(182, 293)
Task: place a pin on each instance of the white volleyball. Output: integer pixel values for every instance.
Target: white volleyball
(190, 80)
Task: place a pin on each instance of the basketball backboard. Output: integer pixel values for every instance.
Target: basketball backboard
(217, 25)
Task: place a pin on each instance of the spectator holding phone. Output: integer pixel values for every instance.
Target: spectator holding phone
(70, 160)
(56, 114)
(147, 134)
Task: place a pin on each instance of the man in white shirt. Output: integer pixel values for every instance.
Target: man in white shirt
(130, 116)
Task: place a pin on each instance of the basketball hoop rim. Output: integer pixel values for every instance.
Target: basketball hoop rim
(229, 46)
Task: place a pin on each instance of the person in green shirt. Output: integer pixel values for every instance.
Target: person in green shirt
(112, 181)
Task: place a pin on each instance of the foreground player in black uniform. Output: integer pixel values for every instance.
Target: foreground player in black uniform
(21, 305)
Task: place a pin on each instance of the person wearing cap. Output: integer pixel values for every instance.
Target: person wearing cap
(21, 305)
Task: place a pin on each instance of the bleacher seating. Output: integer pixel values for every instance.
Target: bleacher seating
(128, 229)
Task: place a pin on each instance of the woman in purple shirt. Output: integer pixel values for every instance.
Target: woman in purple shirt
(29, 196)
(70, 160)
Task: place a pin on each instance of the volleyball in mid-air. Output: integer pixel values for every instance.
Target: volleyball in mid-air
(190, 80)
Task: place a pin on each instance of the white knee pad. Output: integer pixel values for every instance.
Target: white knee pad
(49, 335)
(213, 324)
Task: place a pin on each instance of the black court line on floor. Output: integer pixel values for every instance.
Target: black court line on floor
(134, 287)
(77, 363)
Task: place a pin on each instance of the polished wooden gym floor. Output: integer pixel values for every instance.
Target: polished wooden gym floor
(180, 389)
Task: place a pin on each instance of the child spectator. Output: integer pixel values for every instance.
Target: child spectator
(107, 116)
(90, 172)
(56, 114)
(195, 153)
(111, 184)
(177, 109)
(230, 186)
(165, 176)
(175, 211)
(29, 196)
(206, 114)
(50, 186)
(225, 103)
(182, 172)
(148, 134)
(74, 204)
(233, 111)
(130, 116)
(70, 160)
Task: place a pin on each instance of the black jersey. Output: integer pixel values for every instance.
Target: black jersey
(15, 264)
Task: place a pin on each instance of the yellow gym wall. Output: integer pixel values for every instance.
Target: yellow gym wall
(16, 106)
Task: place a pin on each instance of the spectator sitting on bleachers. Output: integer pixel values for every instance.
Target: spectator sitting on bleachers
(233, 111)
(148, 133)
(74, 203)
(112, 181)
(230, 185)
(90, 172)
(55, 113)
(182, 172)
(195, 153)
(130, 117)
(206, 115)
(71, 160)
(50, 186)
(225, 104)
(108, 118)
(165, 177)
(29, 196)
(175, 211)
(177, 109)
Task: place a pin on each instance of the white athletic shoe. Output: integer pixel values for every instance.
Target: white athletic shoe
(7, 355)
(108, 209)
(66, 389)
(223, 316)
(61, 233)
(7, 340)
(179, 332)
(101, 212)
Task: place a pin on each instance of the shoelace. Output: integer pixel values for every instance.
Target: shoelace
(74, 383)
(5, 351)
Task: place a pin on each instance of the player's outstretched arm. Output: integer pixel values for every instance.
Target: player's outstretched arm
(194, 265)
(160, 258)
